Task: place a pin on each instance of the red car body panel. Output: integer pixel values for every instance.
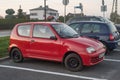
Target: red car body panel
(55, 50)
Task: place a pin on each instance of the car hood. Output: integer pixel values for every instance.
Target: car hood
(88, 42)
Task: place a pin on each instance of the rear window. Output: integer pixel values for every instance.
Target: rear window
(24, 30)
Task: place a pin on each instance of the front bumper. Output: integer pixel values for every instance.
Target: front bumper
(95, 58)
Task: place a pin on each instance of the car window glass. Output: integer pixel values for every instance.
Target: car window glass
(96, 28)
(24, 30)
(75, 26)
(104, 29)
(42, 31)
(86, 28)
(100, 28)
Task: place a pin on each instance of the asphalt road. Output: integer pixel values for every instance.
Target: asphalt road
(33, 69)
(5, 33)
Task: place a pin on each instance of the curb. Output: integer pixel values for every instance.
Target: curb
(4, 58)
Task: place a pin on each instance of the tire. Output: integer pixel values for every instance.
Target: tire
(73, 62)
(16, 55)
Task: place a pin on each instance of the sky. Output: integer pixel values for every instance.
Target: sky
(90, 7)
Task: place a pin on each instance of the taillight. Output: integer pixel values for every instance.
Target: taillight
(111, 37)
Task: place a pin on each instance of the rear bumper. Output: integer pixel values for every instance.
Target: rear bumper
(113, 44)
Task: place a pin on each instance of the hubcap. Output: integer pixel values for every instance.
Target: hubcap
(73, 62)
(16, 55)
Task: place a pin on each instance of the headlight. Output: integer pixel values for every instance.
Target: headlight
(90, 49)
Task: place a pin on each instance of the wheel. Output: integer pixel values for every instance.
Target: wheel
(16, 55)
(73, 62)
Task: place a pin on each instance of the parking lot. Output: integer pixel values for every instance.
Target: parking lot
(33, 69)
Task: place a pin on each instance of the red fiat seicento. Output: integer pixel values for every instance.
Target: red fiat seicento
(55, 42)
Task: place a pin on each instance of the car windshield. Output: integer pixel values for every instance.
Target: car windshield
(64, 31)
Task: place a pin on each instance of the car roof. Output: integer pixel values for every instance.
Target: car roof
(99, 22)
(87, 17)
(39, 23)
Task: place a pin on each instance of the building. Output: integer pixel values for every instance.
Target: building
(38, 13)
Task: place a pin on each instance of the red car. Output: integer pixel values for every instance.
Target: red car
(56, 42)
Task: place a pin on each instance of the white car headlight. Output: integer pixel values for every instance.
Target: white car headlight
(90, 49)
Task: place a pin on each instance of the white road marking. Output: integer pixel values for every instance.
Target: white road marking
(50, 72)
(113, 60)
(116, 49)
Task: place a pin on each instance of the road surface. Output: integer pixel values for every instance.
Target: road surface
(4, 33)
(35, 69)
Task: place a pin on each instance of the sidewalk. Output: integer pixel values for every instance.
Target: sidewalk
(4, 33)
(4, 58)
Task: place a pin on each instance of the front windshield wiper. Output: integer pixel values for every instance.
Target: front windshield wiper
(74, 36)
(66, 36)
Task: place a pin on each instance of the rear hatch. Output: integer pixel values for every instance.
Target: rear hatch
(114, 31)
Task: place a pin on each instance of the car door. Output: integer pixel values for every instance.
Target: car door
(41, 45)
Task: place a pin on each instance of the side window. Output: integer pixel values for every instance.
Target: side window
(42, 31)
(75, 27)
(24, 30)
(86, 28)
(104, 29)
(96, 28)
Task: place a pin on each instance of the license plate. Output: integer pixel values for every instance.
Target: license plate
(101, 55)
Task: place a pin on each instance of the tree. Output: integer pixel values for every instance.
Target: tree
(115, 17)
(61, 19)
(20, 14)
(10, 13)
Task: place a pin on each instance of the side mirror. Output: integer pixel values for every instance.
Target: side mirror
(53, 38)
